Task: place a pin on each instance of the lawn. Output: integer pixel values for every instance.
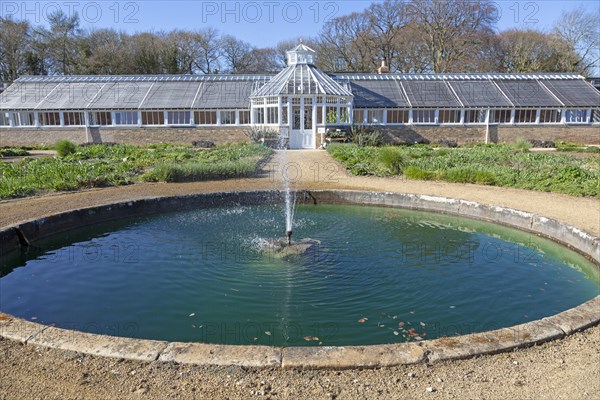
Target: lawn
(102, 165)
(498, 165)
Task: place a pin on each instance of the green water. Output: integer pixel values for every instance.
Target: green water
(380, 275)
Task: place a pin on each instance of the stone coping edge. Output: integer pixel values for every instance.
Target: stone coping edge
(326, 357)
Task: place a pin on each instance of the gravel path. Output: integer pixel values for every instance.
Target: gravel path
(564, 369)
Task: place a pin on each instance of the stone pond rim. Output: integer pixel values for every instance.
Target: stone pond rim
(371, 356)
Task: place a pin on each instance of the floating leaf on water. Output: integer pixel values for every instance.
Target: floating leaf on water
(311, 338)
(268, 333)
(192, 314)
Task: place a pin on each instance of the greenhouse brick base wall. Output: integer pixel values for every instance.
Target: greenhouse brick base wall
(392, 134)
(49, 136)
(498, 134)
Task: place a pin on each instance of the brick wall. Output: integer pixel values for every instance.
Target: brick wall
(49, 136)
(585, 134)
(392, 134)
(498, 134)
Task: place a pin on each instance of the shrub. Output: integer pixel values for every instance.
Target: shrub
(65, 147)
(522, 145)
(447, 143)
(392, 159)
(193, 172)
(469, 175)
(365, 136)
(412, 172)
(256, 134)
(13, 152)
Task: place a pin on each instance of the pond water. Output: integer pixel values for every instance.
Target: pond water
(378, 275)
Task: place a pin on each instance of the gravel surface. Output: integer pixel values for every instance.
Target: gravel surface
(563, 369)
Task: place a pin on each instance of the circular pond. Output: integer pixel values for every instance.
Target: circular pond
(373, 276)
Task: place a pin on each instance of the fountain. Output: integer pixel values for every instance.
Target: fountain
(284, 248)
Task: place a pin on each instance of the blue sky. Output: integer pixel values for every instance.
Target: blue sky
(262, 23)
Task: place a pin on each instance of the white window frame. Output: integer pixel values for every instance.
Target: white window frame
(401, 112)
(456, 111)
(479, 112)
(40, 119)
(135, 119)
(5, 120)
(227, 121)
(205, 112)
(506, 111)
(543, 111)
(531, 112)
(93, 121)
(67, 115)
(372, 113)
(432, 112)
(583, 116)
(173, 118)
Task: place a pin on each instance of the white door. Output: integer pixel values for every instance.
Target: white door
(302, 134)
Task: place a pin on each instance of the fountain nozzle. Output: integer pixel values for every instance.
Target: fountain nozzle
(289, 237)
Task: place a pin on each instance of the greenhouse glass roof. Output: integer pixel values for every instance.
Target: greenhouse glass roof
(181, 92)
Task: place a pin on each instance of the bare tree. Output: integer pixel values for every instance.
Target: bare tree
(235, 54)
(387, 20)
(209, 50)
(106, 53)
(62, 40)
(14, 45)
(349, 39)
(582, 31)
(413, 54)
(451, 29)
(534, 51)
(187, 52)
(259, 61)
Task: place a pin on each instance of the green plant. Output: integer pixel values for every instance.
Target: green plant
(65, 147)
(98, 165)
(257, 135)
(13, 152)
(334, 134)
(412, 172)
(469, 175)
(365, 136)
(331, 117)
(522, 144)
(593, 150)
(498, 165)
(192, 172)
(392, 159)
